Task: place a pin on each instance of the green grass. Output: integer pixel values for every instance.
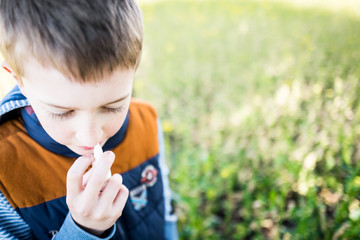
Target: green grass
(260, 107)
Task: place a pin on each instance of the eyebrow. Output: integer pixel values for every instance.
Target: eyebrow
(115, 101)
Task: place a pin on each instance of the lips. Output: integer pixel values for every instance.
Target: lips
(86, 148)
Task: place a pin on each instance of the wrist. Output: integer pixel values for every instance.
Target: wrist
(95, 232)
(71, 230)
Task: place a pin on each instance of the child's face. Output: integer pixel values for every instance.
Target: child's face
(78, 115)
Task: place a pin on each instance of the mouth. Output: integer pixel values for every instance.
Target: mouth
(86, 148)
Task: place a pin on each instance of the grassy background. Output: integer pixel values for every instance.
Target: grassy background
(260, 108)
(259, 102)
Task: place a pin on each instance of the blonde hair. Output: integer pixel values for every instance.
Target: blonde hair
(83, 39)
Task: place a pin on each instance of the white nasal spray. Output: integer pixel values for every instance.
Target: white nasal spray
(97, 154)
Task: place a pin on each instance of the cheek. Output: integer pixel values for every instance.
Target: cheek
(57, 131)
(113, 125)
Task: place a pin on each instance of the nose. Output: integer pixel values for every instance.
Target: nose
(88, 132)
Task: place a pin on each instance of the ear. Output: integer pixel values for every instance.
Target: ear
(5, 65)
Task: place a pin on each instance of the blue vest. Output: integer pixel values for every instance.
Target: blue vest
(33, 178)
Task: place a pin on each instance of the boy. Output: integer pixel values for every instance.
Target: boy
(74, 63)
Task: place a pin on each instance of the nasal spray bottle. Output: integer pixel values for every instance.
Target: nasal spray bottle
(97, 153)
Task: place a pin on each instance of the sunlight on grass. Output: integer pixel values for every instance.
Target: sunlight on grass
(261, 102)
(352, 6)
(333, 5)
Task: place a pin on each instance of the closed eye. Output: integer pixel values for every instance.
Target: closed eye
(68, 114)
(61, 116)
(115, 110)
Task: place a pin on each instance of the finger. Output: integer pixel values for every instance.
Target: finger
(86, 177)
(111, 190)
(120, 200)
(74, 178)
(104, 185)
(98, 176)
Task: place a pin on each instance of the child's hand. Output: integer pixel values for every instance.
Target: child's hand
(92, 209)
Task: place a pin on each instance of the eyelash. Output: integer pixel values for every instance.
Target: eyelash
(66, 115)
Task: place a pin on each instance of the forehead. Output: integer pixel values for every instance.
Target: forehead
(52, 87)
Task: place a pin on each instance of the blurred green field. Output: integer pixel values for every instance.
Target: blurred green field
(260, 107)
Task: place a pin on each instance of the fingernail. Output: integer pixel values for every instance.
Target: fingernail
(110, 153)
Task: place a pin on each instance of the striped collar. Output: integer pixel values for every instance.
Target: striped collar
(13, 100)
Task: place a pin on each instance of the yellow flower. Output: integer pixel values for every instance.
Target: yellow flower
(357, 181)
(225, 172)
(167, 126)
